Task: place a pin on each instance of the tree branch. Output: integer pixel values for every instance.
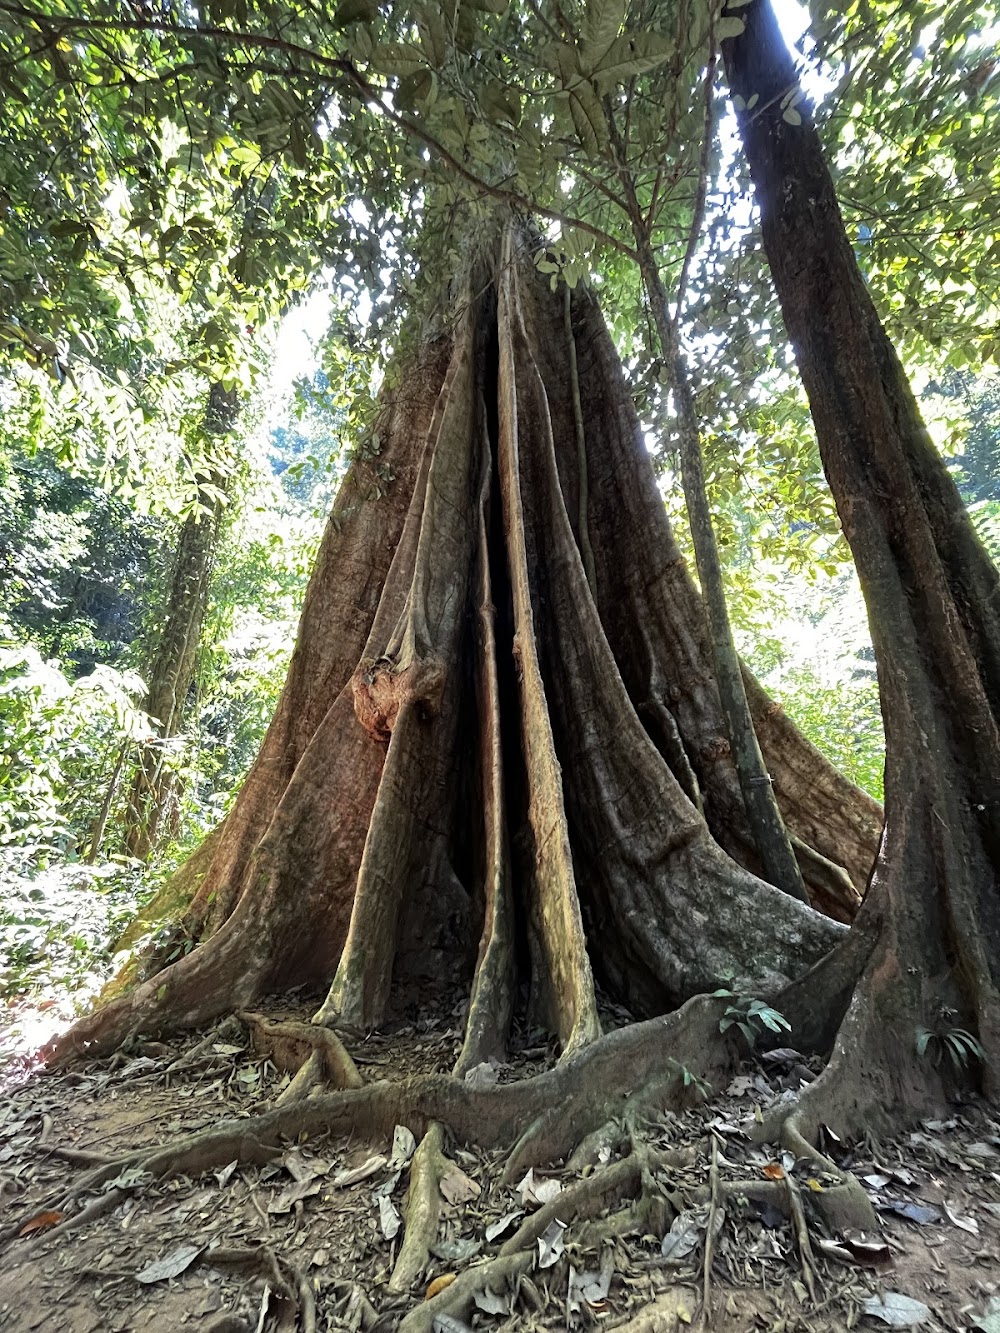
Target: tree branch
(347, 70)
(706, 151)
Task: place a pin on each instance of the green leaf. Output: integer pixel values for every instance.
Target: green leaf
(634, 53)
(498, 103)
(588, 119)
(433, 34)
(297, 144)
(398, 58)
(729, 27)
(562, 59)
(355, 11)
(602, 22)
(414, 88)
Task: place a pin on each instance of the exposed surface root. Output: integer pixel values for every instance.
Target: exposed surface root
(423, 1209)
(280, 1275)
(715, 1219)
(665, 1315)
(313, 1054)
(561, 1107)
(802, 1235)
(588, 1196)
(458, 1300)
(739, 1231)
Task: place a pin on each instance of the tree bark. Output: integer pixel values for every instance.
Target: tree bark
(154, 784)
(763, 811)
(471, 771)
(933, 600)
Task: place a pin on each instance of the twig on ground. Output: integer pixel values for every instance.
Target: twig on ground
(801, 1230)
(713, 1212)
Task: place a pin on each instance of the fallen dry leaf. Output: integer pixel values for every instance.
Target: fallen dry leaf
(404, 1145)
(538, 1192)
(42, 1221)
(503, 1224)
(588, 1287)
(446, 1323)
(965, 1223)
(288, 1198)
(832, 1250)
(989, 1320)
(491, 1303)
(481, 1076)
(171, 1265)
(550, 1243)
(922, 1214)
(343, 1179)
(684, 1234)
(863, 1253)
(456, 1251)
(389, 1219)
(439, 1284)
(456, 1186)
(224, 1175)
(896, 1310)
(547, 1190)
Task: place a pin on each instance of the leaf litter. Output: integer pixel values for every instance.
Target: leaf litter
(305, 1207)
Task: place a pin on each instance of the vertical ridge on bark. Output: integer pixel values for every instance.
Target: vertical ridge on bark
(583, 483)
(655, 623)
(491, 1001)
(558, 936)
(406, 690)
(645, 862)
(358, 545)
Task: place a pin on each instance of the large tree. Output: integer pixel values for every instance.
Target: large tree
(487, 767)
(570, 758)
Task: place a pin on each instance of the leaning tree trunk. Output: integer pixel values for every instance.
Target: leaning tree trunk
(484, 762)
(933, 599)
(154, 784)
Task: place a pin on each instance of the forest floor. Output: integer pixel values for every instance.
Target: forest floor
(328, 1210)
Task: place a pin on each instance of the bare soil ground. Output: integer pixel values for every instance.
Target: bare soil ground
(235, 1239)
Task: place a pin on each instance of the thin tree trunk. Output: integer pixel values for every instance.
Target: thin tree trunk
(101, 822)
(154, 783)
(933, 600)
(756, 784)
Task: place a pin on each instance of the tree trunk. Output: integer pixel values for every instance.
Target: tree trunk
(933, 600)
(763, 812)
(479, 764)
(155, 784)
